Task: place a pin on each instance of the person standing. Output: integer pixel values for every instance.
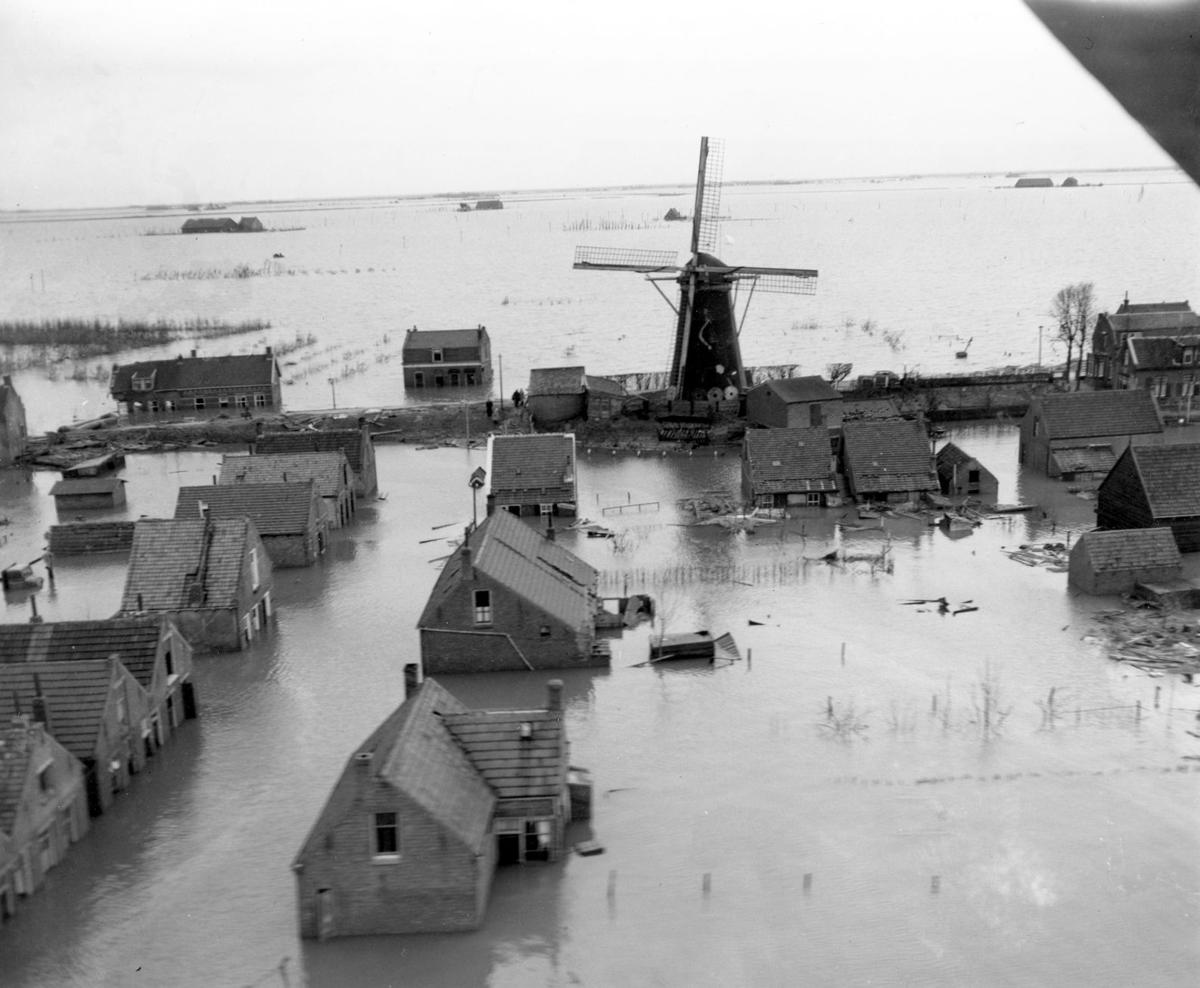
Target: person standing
(48, 562)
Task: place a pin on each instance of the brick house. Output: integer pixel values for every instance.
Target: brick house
(203, 386)
(438, 358)
(794, 403)
(43, 808)
(511, 598)
(1154, 487)
(355, 443)
(961, 475)
(532, 474)
(1108, 361)
(783, 467)
(14, 432)
(1080, 434)
(1166, 366)
(289, 518)
(425, 808)
(1114, 562)
(887, 461)
(212, 576)
(329, 471)
(151, 648)
(92, 707)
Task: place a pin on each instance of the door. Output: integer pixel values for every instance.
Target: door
(325, 916)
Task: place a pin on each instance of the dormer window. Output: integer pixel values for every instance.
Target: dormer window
(483, 606)
(436, 355)
(1189, 355)
(143, 382)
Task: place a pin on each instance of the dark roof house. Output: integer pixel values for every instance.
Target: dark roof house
(409, 838)
(1081, 433)
(88, 492)
(329, 472)
(511, 598)
(199, 385)
(532, 474)
(1134, 320)
(287, 516)
(1154, 486)
(210, 224)
(961, 475)
(355, 443)
(782, 467)
(795, 403)
(211, 575)
(447, 357)
(889, 460)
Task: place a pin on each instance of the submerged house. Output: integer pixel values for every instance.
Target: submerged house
(355, 443)
(151, 648)
(212, 576)
(43, 808)
(1115, 562)
(511, 598)
(199, 385)
(1154, 487)
(532, 474)
(1111, 362)
(210, 224)
(87, 493)
(288, 517)
(961, 475)
(410, 836)
(784, 467)
(1080, 434)
(438, 358)
(794, 403)
(329, 472)
(14, 432)
(887, 461)
(92, 707)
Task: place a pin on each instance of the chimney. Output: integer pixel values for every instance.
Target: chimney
(412, 681)
(268, 351)
(193, 353)
(468, 571)
(554, 690)
(550, 527)
(203, 506)
(41, 709)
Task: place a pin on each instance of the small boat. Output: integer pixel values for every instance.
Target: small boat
(20, 578)
(955, 526)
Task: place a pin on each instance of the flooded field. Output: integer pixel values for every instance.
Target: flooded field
(878, 793)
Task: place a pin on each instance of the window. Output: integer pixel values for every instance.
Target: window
(200, 403)
(483, 607)
(814, 498)
(386, 836)
(1189, 355)
(418, 379)
(223, 401)
(545, 509)
(169, 662)
(169, 405)
(261, 401)
(153, 404)
(436, 356)
(254, 567)
(45, 782)
(242, 401)
(544, 631)
(143, 383)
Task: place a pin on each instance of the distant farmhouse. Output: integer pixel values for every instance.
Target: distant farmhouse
(426, 807)
(510, 598)
(532, 474)
(212, 576)
(1079, 435)
(438, 358)
(13, 430)
(1114, 364)
(199, 385)
(1034, 183)
(222, 224)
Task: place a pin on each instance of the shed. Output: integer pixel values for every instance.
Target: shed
(605, 398)
(88, 492)
(1057, 427)
(794, 403)
(556, 395)
(1113, 562)
(961, 475)
(1152, 487)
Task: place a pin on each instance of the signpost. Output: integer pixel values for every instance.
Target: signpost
(478, 477)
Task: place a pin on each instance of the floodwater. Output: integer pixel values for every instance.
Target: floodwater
(750, 838)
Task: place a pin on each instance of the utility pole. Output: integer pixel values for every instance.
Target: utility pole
(1039, 347)
(333, 389)
(500, 358)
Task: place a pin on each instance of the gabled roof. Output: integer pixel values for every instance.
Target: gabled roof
(324, 469)
(423, 339)
(870, 409)
(1083, 459)
(513, 767)
(514, 555)
(132, 640)
(783, 461)
(1170, 476)
(1159, 352)
(415, 753)
(1131, 548)
(889, 456)
(348, 441)
(76, 694)
(810, 388)
(603, 386)
(531, 462)
(17, 744)
(165, 560)
(950, 458)
(1152, 317)
(1087, 414)
(556, 381)
(197, 373)
(275, 509)
(86, 485)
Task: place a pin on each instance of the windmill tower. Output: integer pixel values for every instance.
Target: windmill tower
(706, 361)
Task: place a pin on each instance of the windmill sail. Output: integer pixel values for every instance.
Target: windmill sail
(707, 215)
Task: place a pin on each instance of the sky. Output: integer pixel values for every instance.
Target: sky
(141, 101)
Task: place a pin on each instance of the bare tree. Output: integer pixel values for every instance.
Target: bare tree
(837, 372)
(1071, 311)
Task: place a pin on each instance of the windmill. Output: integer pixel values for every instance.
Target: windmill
(706, 361)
